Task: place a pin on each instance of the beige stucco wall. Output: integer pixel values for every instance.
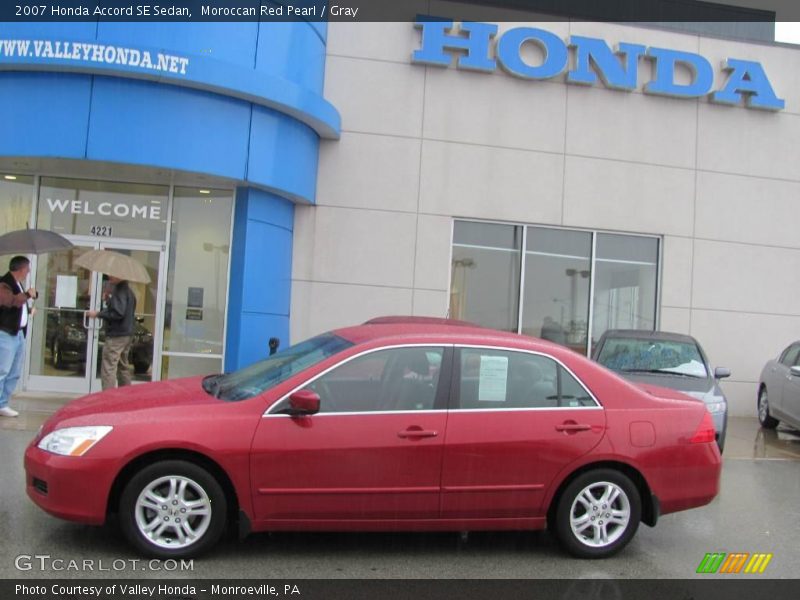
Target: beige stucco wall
(422, 145)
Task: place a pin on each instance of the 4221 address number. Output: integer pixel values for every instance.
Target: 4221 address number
(101, 230)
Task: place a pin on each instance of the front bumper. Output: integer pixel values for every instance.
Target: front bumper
(75, 488)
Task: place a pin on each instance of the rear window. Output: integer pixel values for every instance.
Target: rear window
(631, 355)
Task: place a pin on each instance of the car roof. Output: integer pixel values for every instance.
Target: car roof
(435, 330)
(644, 334)
(419, 320)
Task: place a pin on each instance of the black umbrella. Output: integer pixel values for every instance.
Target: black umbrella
(32, 241)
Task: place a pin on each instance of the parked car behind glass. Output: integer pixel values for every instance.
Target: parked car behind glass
(672, 360)
(779, 390)
(395, 425)
(66, 338)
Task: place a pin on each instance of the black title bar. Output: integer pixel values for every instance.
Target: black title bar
(393, 10)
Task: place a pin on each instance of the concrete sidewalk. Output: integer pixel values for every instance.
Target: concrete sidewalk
(34, 409)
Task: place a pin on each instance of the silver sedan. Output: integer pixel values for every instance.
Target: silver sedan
(779, 390)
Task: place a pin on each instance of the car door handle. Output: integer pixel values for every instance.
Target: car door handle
(573, 427)
(417, 433)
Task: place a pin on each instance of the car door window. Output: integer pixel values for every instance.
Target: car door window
(571, 392)
(790, 355)
(396, 379)
(502, 379)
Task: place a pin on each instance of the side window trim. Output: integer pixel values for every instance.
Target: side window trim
(275, 409)
(786, 356)
(455, 395)
(443, 394)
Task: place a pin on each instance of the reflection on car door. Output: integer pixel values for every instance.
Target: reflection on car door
(518, 419)
(374, 451)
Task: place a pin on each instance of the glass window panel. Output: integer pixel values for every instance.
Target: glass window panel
(649, 355)
(102, 208)
(557, 281)
(16, 196)
(571, 393)
(627, 247)
(486, 234)
(197, 278)
(58, 338)
(399, 379)
(626, 271)
(790, 356)
(485, 274)
(498, 379)
(173, 367)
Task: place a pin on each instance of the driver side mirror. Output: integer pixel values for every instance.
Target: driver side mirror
(721, 373)
(303, 402)
(795, 371)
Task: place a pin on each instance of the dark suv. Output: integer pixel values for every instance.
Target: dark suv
(66, 339)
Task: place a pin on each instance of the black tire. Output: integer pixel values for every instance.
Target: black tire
(592, 546)
(140, 368)
(199, 480)
(58, 358)
(767, 421)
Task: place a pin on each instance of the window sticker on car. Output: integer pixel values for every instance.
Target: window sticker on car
(493, 379)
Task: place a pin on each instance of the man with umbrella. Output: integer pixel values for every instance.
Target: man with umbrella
(14, 313)
(119, 322)
(119, 313)
(14, 310)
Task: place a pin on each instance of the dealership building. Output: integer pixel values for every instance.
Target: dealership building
(282, 179)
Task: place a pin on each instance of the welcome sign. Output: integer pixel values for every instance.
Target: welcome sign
(747, 83)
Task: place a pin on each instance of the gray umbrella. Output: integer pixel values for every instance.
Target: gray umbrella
(114, 264)
(32, 241)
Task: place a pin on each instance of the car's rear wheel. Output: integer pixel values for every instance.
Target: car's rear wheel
(173, 509)
(598, 514)
(767, 421)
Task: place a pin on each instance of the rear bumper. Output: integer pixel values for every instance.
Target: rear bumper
(75, 488)
(692, 482)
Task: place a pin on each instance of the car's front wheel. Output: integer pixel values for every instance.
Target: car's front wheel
(598, 514)
(173, 509)
(767, 421)
(58, 358)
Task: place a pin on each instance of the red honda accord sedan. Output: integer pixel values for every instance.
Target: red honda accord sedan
(398, 424)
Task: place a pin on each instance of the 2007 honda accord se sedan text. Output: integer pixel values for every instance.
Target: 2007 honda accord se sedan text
(399, 424)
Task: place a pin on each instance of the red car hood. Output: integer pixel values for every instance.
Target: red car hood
(175, 392)
(664, 393)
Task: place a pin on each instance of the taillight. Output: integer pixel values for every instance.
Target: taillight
(706, 432)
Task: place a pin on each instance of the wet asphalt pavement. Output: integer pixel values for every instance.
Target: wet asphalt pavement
(758, 510)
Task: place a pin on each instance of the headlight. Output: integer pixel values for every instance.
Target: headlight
(715, 407)
(73, 441)
(76, 335)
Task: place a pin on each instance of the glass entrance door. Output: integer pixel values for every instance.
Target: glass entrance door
(66, 348)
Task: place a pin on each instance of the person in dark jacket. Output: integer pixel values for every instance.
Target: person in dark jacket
(14, 314)
(118, 316)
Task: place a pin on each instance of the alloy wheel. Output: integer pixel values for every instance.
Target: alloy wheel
(600, 514)
(173, 512)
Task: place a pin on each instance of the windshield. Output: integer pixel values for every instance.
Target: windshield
(652, 356)
(279, 367)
